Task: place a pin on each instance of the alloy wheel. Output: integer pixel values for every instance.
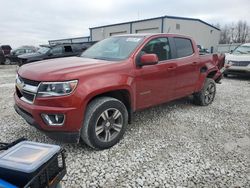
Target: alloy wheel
(209, 93)
(109, 125)
(7, 61)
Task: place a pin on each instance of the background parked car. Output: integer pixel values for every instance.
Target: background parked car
(50, 52)
(12, 58)
(202, 50)
(238, 61)
(2, 57)
(6, 49)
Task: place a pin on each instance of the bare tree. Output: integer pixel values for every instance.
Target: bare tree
(242, 31)
(225, 35)
(235, 33)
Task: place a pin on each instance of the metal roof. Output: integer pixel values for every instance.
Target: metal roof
(162, 17)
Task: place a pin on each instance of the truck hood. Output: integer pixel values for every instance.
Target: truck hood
(237, 57)
(62, 68)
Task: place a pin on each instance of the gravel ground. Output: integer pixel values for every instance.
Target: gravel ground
(172, 145)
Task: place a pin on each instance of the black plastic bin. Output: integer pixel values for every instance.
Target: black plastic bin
(49, 174)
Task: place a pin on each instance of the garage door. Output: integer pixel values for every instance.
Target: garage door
(148, 30)
(118, 33)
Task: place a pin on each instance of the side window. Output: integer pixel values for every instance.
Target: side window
(184, 47)
(56, 50)
(158, 46)
(68, 49)
(28, 51)
(20, 51)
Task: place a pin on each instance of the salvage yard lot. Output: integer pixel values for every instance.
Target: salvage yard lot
(175, 144)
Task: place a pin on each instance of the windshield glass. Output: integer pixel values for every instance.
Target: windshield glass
(242, 50)
(43, 50)
(114, 48)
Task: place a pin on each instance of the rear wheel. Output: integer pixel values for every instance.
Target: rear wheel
(7, 61)
(207, 94)
(105, 122)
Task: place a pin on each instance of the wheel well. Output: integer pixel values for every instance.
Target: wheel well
(211, 74)
(121, 95)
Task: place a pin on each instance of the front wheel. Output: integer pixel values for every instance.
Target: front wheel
(7, 61)
(207, 94)
(105, 122)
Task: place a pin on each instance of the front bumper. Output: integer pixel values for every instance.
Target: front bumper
(237, 70)
(69, 132)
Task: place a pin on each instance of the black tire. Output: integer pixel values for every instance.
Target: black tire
(7, 61)
(207, 93)
(105, 122)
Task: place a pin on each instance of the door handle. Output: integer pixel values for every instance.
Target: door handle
(171, 68)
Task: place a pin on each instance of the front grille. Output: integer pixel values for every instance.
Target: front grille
(240, 63)
(26, 89)
(237, 71)
(29, 96)
(18, 92)
(29, 82)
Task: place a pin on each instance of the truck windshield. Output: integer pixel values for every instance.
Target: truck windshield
(242, 50)
(114, 48)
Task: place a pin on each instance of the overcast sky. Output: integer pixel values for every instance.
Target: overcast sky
(35, 22)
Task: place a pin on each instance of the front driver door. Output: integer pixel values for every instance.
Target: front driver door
(154, 83)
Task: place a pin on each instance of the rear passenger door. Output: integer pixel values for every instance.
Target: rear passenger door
(187, 71)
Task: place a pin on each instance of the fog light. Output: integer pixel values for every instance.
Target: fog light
(53, 119)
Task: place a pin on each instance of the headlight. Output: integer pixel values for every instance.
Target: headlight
(50, 89)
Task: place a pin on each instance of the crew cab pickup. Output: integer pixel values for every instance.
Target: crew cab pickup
(92, 97)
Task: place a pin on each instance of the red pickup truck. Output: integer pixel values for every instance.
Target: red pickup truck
(92, 97)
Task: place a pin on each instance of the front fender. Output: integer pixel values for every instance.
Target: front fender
(103, 84)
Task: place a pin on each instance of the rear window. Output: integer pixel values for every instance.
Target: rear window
(184, 47)
(68, 49)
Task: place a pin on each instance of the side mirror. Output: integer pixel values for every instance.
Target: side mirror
(148, 59)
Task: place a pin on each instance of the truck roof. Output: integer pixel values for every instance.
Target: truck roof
(152, 34)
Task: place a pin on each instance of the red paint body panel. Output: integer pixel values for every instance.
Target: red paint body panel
(147, 86)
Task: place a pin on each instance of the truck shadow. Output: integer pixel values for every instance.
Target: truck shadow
(161, 111)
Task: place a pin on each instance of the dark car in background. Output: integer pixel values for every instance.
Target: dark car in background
(50, 52)
(2, 57)
(202, 50)
(12, 58)
(6, 49)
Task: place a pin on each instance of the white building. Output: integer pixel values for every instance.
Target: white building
(203, 33)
